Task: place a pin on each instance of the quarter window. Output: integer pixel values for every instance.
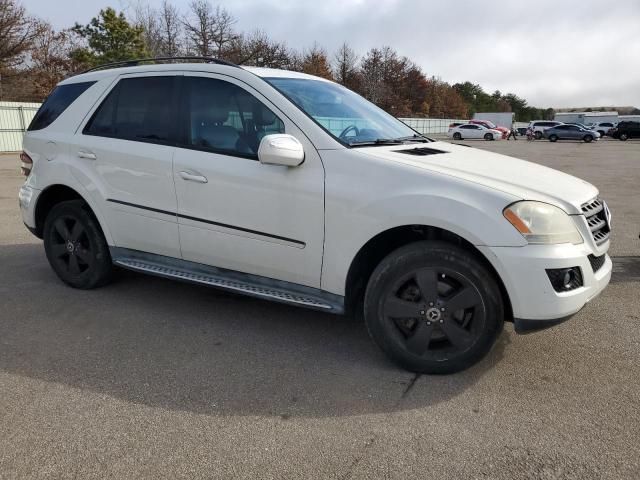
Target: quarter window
(56, 103)
(138, 109)
(225, 118)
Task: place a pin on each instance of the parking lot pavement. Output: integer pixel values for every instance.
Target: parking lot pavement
(152, 378)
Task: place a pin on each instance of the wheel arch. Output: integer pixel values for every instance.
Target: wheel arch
(378, 247)
(56, 193)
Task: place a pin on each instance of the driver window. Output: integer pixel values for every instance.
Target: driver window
(225, 118)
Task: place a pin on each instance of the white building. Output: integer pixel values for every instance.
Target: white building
(586, 117)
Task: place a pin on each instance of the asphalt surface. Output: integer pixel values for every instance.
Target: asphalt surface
(148, 378)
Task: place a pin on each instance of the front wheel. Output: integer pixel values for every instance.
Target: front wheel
(624, 137)
(553, 138)
(433, 307)
(75, 246)
(588, 138)
(488, 136)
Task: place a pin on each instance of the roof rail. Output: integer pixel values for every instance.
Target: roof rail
(138, 61)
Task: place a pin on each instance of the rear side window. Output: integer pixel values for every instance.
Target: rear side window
(139, 109)
(56, 103)
(224, 118)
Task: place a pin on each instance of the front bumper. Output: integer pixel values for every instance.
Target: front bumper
(534, 301)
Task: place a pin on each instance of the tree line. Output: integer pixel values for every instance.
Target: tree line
(34, 57)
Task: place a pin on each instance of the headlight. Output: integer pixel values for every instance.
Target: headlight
(542, 223)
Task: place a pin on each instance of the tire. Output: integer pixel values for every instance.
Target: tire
(75, 246)
(488, 136)
(588, 138)
(457, 136)
(602, 133)
(538, 135)
(396, 310)
(553, 138)
(624, 137)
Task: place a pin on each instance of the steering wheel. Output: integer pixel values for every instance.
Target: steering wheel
(344, 133)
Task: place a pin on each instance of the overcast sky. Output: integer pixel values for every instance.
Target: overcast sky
(568, 53)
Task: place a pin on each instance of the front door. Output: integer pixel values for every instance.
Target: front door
(233, 211)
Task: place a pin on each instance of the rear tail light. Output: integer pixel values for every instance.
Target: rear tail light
(26, 164)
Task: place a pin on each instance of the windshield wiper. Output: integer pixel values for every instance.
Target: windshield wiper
(378, 141)
(415, 138)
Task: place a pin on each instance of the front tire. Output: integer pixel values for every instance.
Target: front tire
(553, 138)
(433, 307)
(488, 136)
(538, 135)
(624, 137)
(75, 246)
(588, 138)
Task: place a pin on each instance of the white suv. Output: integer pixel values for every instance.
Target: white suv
(291, 188)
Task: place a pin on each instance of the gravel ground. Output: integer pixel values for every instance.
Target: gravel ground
(149, 378)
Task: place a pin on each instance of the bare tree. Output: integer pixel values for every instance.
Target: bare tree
(50, 59)
(258, 49)
(209, 31)
(146, 18)
(170, 29)
(17, 32)
(345, 66)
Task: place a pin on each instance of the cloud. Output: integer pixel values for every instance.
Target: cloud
(569, 53)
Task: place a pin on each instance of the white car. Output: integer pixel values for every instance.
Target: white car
(539, 126)
(603, 127)
(291, 188)
(470, 130)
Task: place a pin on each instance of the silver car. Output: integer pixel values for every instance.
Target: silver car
(570, 132)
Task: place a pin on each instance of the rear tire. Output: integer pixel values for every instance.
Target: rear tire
(553, 138)
(624, 137)
(588, 138)
(457, 136)
(538, 135)
(433, 307)
(75, 246)
(602, 133)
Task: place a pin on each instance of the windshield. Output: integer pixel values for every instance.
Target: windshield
(344, 114)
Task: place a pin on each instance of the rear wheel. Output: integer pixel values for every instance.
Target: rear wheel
(488, 136)
(433, 308)
(624, 137)
(553, 138)
(457, 136)
(588, 138)
(538, 135)
(75, 246)
(601, 132)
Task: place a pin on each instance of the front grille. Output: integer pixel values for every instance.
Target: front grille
(596, 213)
(597, 262)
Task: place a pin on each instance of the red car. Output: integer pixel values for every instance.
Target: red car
(493, 126)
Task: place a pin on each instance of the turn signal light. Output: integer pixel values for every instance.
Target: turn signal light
(26, 164)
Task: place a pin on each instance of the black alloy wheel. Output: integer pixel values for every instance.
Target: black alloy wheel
(457, 136)
(433, 308)
(75, 246)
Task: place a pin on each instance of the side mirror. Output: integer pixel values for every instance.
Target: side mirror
(281, 149)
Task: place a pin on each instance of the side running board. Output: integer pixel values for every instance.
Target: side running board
(244, 283)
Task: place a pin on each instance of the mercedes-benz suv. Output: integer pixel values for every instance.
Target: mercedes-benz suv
(292, 188)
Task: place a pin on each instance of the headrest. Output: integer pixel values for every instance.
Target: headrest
(262, 115)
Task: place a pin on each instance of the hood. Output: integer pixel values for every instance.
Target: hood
(519, 178)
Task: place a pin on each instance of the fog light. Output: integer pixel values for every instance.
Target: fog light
(565, 279)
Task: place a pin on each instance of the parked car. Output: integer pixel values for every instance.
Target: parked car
(539, 126)
(470, 130)
(491, 126)
(603, 128)
(570, 132)
(626, 130)
(292, 188)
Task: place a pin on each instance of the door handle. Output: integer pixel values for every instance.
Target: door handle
(192, 177)
(87, 155)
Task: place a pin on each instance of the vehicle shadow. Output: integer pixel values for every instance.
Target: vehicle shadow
(183, 347)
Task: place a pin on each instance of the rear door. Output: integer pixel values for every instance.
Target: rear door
(125, 153)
